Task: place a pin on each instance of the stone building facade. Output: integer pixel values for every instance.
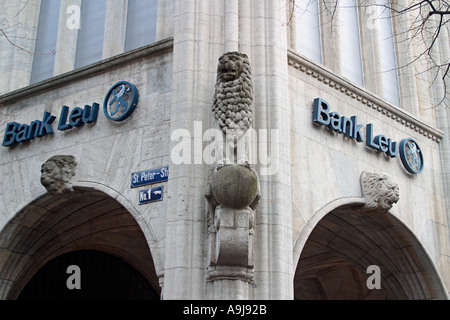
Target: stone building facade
(111, 146)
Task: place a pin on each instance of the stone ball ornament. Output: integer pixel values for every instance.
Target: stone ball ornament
(235, 186)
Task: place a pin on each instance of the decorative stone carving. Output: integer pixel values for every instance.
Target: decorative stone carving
(233, 195)
(233, 188)
(57, 173)
(233, 99)
(379, 191)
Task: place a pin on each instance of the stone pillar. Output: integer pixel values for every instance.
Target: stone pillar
(231, 25)
(115, 28)
(370, 47)
(406, 72)
(164, 27)
(66, 41)
(265, 42)
(441, 53)
(19, 21)
(197, 45)
(422, 63)
(330, 35)
(228, 259)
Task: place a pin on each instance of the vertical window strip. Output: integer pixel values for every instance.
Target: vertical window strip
(91, 33)
(308, 29)
(141, 23)
(47, 32)
(350, 42)
(388, 61)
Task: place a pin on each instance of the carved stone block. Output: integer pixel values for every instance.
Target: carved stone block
(57, 173)
(233, 194)
(232, 238)
(233, 98)
(233, 189)
(379, 191)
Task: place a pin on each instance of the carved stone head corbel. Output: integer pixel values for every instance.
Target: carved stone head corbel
(379, 191)
(57, 173)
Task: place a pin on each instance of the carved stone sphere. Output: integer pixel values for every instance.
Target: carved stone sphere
(235, 186)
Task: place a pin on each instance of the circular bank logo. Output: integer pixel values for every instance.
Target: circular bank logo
(120, 101)
(411, 156)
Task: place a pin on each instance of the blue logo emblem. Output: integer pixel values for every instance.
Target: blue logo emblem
(120, 101)
(411, 156)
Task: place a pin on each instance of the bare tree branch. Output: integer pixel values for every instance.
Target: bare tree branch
(6, 26)
(23, 49)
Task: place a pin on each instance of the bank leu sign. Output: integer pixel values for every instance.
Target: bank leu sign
(408, 149)
(119, 104)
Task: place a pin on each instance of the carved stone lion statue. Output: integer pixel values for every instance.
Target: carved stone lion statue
(233, 98)
(57, 173)
(379, 191)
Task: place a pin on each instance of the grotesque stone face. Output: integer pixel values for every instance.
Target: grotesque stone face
(57, 172)
(233, 98)
(380, 191)
(230, 66)
(389, 194)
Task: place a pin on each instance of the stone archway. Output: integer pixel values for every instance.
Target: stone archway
(54, 225)
(346, 241)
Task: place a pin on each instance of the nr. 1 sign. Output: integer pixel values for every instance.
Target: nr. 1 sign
(151, 195)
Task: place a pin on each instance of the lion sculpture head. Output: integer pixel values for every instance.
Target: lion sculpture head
(379, 191)
(57, 173)
(233, 98)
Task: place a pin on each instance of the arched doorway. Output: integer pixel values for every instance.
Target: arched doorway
(55, 225)
(99, 276)
(338, 252)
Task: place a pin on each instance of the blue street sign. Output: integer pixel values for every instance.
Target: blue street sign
(151, 195)
(150, 176)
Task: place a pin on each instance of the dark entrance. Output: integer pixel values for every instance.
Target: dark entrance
(335, 259)
(102, 276)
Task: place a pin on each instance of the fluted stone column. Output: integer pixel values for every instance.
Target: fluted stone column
(198, 42)
(66, 43)
(265, 42)
(19, 22)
